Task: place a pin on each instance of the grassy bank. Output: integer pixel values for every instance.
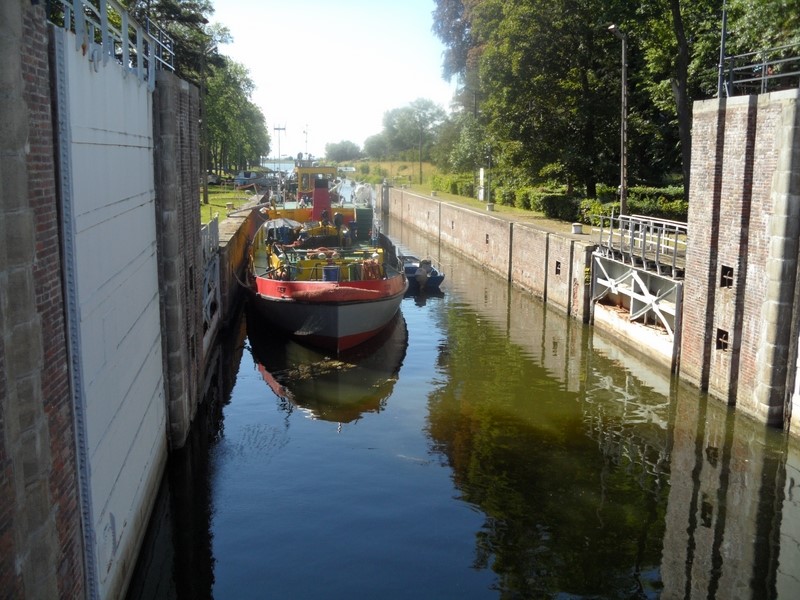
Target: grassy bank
(399, 172)
(218, 198)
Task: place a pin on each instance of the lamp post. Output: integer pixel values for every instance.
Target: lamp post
(623, 125)
(204, 121)
(279, 129)
(721, 67)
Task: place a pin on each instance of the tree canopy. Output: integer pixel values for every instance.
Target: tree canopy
(234, 127)
(539, 86)
(342, 152)
(540, 81)
(409, 132)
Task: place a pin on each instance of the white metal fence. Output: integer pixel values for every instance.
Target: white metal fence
(653, 244)
(105, 31)
(209, 239)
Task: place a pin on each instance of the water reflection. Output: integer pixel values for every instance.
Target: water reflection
(598, 473)
(562, 515)
(339, 388)
(421, 297)
(503, 450)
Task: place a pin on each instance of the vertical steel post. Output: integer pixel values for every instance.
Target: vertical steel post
(623, 126)
(721, 66)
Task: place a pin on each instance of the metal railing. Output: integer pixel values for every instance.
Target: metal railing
(105, 31)
(762, 71)
(209, 242)
(655, 244)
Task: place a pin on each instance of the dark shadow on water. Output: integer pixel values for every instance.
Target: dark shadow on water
(421, 297)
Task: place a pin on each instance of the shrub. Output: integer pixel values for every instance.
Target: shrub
(466, 189)
(560, 206)
(661, 203)
(591, 209)
(504, 195)
(607, 193)
(460, 184)
(525, 198)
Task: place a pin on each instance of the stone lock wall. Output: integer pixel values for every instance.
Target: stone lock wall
(176, 106)
(41, 552)
(550, 266)
(739, 321)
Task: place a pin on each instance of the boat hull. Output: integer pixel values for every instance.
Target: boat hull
(330, 315)
(430, 284)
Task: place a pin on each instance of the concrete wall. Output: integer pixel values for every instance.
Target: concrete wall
(40, 523)
(111, 273)
(551, 266)
(744, 219)
(235, 235)
(177, 186)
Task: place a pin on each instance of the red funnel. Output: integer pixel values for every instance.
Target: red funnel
(322, 199)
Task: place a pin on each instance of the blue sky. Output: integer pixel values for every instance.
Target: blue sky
(334, 67)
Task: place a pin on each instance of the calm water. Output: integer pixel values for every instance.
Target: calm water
(485, 447)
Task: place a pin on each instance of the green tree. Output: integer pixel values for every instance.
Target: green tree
(237, 131)
(447, 137)
(543, 79)
(186, 21)
(469, 152)
(679, 46)
(342, 151)
(377, 147)
(762, 24)
(413, 127)
(547, 77)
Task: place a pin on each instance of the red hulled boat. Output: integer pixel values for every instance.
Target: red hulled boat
(334, 296)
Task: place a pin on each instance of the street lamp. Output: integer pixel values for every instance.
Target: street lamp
(721, 66)
(204, 120)
(623, 125)
(279, 129)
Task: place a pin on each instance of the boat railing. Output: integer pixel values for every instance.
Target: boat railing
(330, 270)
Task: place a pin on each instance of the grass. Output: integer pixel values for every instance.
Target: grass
(400, 172)
(218, 198)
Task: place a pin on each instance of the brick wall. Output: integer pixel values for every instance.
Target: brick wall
(742, 252)
(707, 127)
(530, 275)
(40, 531)
(550, 266)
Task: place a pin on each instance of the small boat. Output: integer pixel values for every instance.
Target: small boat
(422, 275)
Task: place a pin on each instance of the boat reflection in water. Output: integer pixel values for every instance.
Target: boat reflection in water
(331, 387)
